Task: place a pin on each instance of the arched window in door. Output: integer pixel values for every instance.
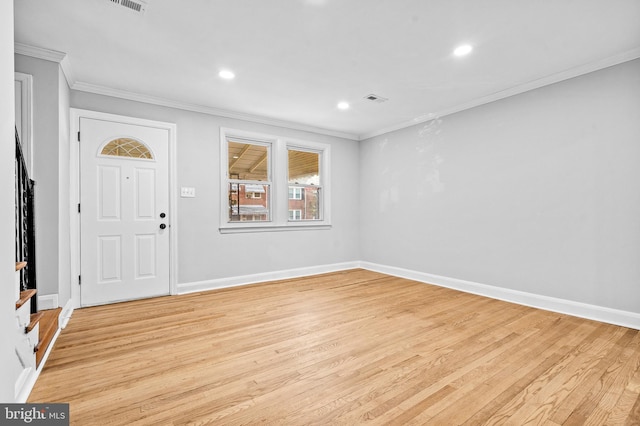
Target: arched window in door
(126, 147)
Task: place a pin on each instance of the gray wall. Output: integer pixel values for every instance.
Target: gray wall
(64, 221)
(532, 193)
(537, 192)
(9, 368)
(50, 110)
(205, 254)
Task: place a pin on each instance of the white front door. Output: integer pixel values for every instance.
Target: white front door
(124, 211)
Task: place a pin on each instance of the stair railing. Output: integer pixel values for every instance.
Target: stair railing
(25, 229)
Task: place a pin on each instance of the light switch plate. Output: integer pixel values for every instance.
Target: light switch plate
(187, 192)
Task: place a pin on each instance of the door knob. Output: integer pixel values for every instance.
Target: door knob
(162, 215)
(162, 226)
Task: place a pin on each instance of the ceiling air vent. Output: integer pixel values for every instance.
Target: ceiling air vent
(134, 5)
(376, 98)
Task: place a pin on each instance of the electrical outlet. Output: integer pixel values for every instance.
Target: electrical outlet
(187, 192)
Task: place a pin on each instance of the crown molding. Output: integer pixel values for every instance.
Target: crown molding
(123, 94)
(65, 64)
(39, 52)
(610, 61)
(60, 58)
(63, 60)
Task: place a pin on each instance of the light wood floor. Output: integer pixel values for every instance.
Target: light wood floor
(345, 348)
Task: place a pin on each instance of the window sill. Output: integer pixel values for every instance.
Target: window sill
(273, 228)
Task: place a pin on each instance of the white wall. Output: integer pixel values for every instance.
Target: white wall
(8, 368)
(203, 253)
(536, 193)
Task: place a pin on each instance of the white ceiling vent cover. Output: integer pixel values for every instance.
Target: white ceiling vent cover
(376, 98)
(134, 5)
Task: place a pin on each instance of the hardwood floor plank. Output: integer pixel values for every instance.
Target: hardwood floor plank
(484, 386)
(634, 415)
(428, 377)
(349, 347)
(552, 395)
(517, 410)
(618, 367)
(626, 408)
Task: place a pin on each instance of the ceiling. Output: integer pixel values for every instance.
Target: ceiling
(249, 161)
(294, 60)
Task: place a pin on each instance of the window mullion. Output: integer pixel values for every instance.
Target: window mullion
(279, 178)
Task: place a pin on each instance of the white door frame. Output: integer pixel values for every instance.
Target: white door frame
(74, 191)
(26, 114)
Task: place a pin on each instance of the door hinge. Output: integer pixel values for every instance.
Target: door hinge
(79, 279)
(78, 207)
(78, 136)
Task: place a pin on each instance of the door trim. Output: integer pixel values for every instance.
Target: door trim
(26, 117)
(74, 191)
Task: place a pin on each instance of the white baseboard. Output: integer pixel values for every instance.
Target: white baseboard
(563, 306)
(192, 287)
(47, 301)
(65, 315)
(30, 382)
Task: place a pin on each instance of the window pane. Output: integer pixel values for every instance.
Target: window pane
(295, 214)
(248, 162)
(295, 193)
(304, 168)
(125, 147)
(307, 207)
(248, 203)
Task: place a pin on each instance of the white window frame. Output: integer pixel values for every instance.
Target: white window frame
(296, 212)
(279, 189)
(297, 190)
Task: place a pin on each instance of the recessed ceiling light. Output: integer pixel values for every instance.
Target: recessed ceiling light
(462, 50)
(226, 74)
(343, 105)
